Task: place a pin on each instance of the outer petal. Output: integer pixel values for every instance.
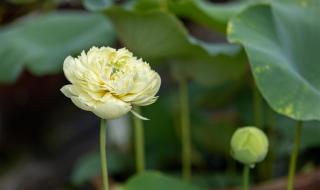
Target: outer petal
(71, 92)
(146, 101)
(68, 66)
(111, 108)
(147, 95)
(75, 70)
(68, 90)
(81, 104)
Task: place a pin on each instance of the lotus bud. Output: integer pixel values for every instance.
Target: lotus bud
(249, 145)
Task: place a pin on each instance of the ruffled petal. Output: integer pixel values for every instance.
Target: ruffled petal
(147, 95)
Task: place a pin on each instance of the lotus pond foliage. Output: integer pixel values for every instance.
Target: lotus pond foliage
(220, 66)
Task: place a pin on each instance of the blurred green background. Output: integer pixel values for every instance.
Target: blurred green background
(48, 143)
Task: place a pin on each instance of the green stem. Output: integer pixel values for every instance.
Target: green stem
(294, 155)
(272, 138)
(258, 108)
(246, 177)
(139, 142)
(103, 154)
(185, 130)
(258, 112)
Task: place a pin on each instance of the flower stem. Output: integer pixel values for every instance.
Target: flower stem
(103, 154)
(139, 142)
(294, 155)
(245, 177)
(185, 130)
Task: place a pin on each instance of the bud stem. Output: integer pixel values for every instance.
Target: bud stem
(246, 177)
(294, 156)
(185, 130)
(139, 142)
(103, 154)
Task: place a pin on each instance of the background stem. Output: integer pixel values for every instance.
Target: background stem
(270, 159)
(103, 154)
(139, 142)
(245, 177)
(258, 108)
(258, 113)
(294, 155)
(185, 130)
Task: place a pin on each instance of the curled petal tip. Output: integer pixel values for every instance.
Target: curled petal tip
(139, 116)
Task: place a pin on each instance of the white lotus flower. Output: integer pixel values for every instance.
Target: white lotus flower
(108, 82)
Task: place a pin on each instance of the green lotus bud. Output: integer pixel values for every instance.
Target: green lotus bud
(249, 145)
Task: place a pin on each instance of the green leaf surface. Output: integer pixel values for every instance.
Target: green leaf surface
(157, 181)
(212, 15)
(160, 133)
(147, 5)
(211, 71)
(159, 35)
(89, 166)
(41, 43)
(223, 180)
(152, 35)
(97, 5)
(282, 42)
(209, 14)
(309, 135)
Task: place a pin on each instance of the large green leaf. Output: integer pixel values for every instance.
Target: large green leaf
(147, 5)
(41, 43)
(89, 166)
(212, 15)
(309, 135)
(209, 14)
(152, 35)
(211, 70)
(157, 181)
(282, 41)
(160, 133)
(97, 5)
(159, 35)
